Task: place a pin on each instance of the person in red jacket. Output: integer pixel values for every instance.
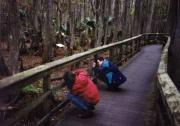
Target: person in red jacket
(83, 92)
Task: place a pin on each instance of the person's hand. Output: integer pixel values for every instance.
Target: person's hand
(94, 64)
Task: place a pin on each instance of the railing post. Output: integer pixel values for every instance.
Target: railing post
(112, 52)
(46, 83)
(126, 52)
(142, 41)
(120, 55)
(139, 44)
(135, 46)
(123, 53)
(116, 55)
(145, 40)
(132, 48)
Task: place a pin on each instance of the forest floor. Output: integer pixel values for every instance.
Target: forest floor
(29, 61)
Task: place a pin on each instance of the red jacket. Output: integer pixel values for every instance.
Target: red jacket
(84, 87)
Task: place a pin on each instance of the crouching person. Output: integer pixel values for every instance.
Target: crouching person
(83, 92)
(108, 73)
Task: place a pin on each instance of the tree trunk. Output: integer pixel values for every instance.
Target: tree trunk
(71, 24)
(174, 50)
(36, 7)
(106, 15)
(125, 18)
(136, 28)
(3, 68)
(14, 36)
(117, 20)
(85, 9)
(149, 21)
(48, 37)
(99, 25)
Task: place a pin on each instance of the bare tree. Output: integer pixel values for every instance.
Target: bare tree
(13, 35)
(137, 15)
(97, 11)
(36, 11)
(47, 36)
(150, 17)
(117, 21)
(72, 25)
(174, 57)
(125, 18)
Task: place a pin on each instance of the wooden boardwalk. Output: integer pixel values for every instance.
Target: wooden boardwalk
(127, 106)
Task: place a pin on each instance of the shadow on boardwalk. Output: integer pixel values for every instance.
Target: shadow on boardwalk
(128, 106)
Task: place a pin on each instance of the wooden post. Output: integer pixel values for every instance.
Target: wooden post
(127, 49)
(131, 48)
(143, 41)
(139, 44)
(46, 83)
(134, 44)
(111, 53)
(120, 55)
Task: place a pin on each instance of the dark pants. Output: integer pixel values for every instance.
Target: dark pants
(80, 103)
(117, 79)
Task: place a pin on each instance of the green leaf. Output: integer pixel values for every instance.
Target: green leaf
(109, 19)
(32, 89)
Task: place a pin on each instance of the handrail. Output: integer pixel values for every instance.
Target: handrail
(168, 91)
(27, 77)
(20, 79)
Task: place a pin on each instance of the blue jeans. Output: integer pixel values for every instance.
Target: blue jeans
(80, 103)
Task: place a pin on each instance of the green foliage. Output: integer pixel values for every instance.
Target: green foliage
(88, 23)
(32, 89)
(65, 29)
(55, 25)
(23, 14)
(132, 11)
(132, 8)
(91, 22)
(78, 45)
(109, 20)
(29, 1)
(35, 88)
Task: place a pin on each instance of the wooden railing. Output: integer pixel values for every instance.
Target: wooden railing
(168, 92)
(119, 53)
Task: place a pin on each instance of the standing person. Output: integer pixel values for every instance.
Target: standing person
(108, 73)
(83, 92)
